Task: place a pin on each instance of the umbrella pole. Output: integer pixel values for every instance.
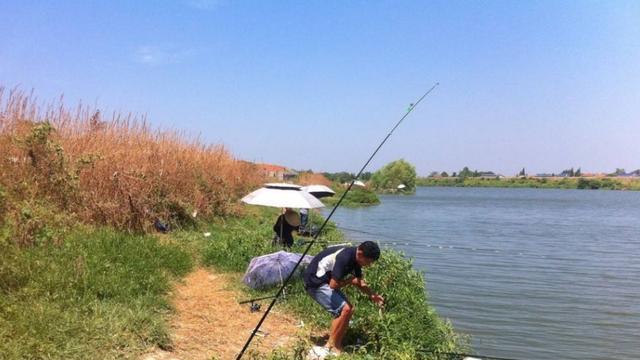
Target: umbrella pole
(282, 228)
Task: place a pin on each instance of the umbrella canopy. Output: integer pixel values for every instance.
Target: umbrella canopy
(282, 196)
(319, 191)
(283, 186)
(272, 269)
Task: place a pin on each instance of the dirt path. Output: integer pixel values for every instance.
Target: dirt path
(209, 323)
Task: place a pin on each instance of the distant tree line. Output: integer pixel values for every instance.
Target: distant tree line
(464, 173)
(467, 173)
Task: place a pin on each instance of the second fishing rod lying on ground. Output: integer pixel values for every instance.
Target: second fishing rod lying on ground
(286, 281)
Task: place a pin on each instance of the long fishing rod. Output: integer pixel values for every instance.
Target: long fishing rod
(273, 302)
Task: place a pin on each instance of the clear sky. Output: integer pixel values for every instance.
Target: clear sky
(545, 85)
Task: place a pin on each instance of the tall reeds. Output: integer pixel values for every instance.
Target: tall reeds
(109, 170)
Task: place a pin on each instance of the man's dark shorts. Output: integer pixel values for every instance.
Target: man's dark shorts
(331, 300)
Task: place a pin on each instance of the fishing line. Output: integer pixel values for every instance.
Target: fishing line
(266, 313)
(487, 251)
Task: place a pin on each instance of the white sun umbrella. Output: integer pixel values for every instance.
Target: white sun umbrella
(282, 196)
(319, 191)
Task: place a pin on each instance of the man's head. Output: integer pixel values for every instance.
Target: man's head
(367, 253)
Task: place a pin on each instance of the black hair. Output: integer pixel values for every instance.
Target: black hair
(370, 250)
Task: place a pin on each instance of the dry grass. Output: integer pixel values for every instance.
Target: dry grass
(110, 170)
(309, 178)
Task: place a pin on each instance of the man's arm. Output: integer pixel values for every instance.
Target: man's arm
(337, 284)
(361, 285)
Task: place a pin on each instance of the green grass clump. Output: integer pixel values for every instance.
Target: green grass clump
(356, 197)
(99, 294)
(235, 241)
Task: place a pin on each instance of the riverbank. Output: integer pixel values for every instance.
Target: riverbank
(107, 293)
(83, 271)
(408, 324)
(591, 183)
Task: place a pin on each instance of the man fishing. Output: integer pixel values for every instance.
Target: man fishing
(332, 269)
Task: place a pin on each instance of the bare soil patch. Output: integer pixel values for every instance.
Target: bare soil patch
(209, 322)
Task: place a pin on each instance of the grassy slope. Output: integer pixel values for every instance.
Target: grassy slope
(100, 293)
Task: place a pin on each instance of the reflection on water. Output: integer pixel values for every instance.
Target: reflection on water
(530, 274)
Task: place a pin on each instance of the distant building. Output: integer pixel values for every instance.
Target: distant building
(489, 175)
(545, 175)
(635, 173)
(277, 172)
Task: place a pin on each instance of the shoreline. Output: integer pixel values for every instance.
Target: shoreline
(580, 183)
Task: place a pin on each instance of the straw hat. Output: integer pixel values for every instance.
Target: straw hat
(292, 217)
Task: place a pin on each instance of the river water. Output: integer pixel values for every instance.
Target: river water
(528, 273)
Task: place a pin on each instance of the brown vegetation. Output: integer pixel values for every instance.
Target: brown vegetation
(309, 178)
(209, 322)
(69, 165)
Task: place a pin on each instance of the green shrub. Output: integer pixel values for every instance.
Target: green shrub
(57, 180)
(357, 196)
(37, 222)
(394, 174)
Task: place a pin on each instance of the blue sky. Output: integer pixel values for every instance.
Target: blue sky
(544, 85)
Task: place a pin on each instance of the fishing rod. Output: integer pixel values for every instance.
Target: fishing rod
(273, 302)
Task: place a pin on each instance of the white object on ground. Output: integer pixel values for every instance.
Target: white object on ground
(207, 234)
(470, 358)
(319, 353)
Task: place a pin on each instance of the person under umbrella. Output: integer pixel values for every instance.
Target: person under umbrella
(283, 196)
(284, 227)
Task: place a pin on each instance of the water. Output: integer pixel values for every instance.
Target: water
(528, 273)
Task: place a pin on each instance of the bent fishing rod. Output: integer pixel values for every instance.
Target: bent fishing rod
(286, 281)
